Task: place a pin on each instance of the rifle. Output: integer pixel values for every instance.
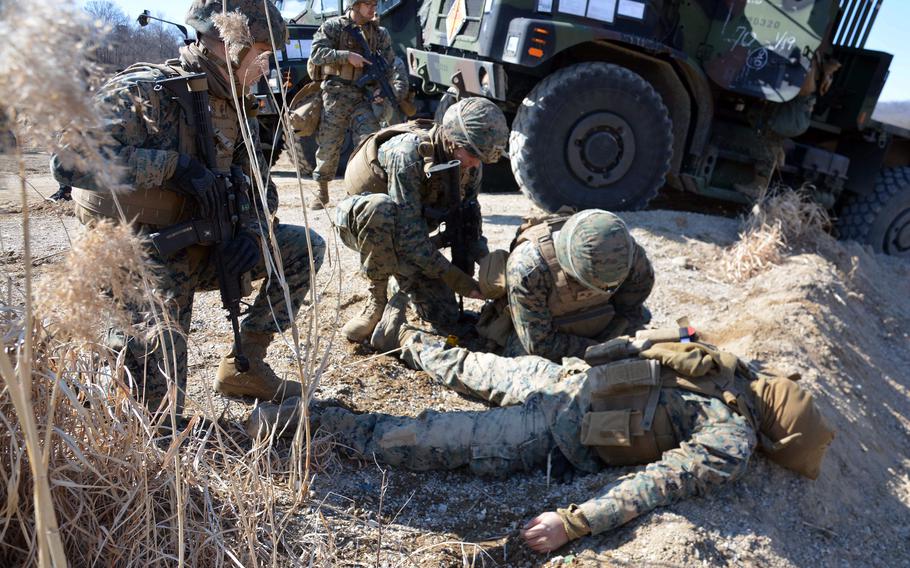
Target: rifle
(231, 213)
(462, 222)
(378, 70)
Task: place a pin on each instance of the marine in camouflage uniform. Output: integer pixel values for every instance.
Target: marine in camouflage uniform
(345, 105)
(700, 441)
(165, 170)
(573, 287)
(391, 231)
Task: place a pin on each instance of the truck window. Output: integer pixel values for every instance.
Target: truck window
(327, 7)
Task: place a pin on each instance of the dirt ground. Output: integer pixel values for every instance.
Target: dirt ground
(835, 313)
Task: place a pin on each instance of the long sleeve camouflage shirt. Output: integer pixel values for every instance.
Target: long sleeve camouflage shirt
(530, 284)
(715, 447)
(144, 125)
(421, 201)
(332, 44)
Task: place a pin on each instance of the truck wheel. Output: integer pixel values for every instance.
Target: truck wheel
(593, 135)
(881, 218)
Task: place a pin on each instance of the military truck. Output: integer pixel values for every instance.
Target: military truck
(610, 100)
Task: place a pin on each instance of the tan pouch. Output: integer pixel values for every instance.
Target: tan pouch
(607, 428)
(306, 110)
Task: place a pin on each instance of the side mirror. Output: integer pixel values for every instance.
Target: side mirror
(145, 16)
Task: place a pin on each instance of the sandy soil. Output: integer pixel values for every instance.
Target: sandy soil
(836, 313)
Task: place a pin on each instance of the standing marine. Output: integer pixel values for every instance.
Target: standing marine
(339, 61)
(569, 283)
(169, 183)
(399, 196)
(692, 414)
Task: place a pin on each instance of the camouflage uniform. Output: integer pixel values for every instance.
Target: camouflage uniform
(149, 145)
(553, 314)
(714, 443)
(343, 104)
(391, 232)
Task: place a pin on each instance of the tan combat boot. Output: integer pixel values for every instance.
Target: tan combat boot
(360, 327)
(259, 381)
(385, 335)
(321, 200)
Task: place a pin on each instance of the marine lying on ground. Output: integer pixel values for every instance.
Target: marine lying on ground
(693, 413)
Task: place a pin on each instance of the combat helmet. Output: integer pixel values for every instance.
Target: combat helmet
(201, 12)
(348, 4)
(595, 248)
(478, 125)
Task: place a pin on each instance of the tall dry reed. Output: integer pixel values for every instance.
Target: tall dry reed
(87, 474)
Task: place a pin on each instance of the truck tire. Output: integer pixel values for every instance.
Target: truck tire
(881, 218)
(593, 135)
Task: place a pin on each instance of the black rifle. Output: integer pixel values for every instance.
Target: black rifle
(461, 222)
(378, 69)
(233, 205)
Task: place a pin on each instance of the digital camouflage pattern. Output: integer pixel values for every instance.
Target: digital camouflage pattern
(344, 105)
(391, 231)
(263, 27)
(595, 248)
(478, 125)
(148, 146)
(530, 283)
(549, 403)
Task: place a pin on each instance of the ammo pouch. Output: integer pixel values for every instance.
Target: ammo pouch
(344, 71)
(307, 105)
(363, 173)
(626, 424)
(156, 208)
(314, 71)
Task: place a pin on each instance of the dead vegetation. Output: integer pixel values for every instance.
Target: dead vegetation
(781, 219)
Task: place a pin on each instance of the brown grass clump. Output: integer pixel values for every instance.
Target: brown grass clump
(46, 82)
(106, 273)
(124, 493)
(234, 29)
(778, 221)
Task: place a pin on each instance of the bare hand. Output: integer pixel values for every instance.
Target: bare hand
(545, 532)
(357, 60)
(476, 294)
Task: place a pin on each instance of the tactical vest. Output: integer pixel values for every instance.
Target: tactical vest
(575, 308)
(626, 425)
(345, 71)
(159, 207)
(364, 174)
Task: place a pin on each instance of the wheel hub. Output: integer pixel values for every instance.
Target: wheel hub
(600, 149)
(897, 237)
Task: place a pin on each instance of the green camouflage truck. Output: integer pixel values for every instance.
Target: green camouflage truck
(610, 100)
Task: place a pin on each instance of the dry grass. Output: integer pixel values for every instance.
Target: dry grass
(779, 220)
(235, 32)
(88, 475)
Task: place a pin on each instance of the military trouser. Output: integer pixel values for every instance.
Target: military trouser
(193, 269)
(369, 225)
(493, 442)
(343, 107)
(499, 380)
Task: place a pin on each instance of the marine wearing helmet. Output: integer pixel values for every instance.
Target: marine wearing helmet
(395, 205)
(569, 283)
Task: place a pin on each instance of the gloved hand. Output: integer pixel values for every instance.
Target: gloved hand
(242, 253)
(463, 284)
(194, 180)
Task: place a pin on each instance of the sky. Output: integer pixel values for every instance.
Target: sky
(887, 35)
